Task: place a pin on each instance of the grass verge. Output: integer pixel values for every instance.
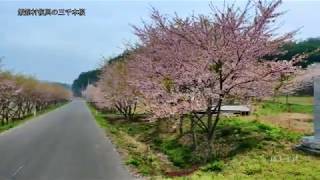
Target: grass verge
(139, 156)
(245, 149)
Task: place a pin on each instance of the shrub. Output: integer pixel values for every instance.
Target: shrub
(215, 166)
(178, 154)
(133, 161)
(253, 169)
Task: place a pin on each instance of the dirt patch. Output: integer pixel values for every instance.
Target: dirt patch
(293, 121)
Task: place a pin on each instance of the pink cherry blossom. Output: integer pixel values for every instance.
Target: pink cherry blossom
(191, 64)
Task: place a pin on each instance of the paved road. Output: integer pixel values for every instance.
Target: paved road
(65, 144)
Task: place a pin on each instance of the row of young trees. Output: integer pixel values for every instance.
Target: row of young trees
(191, 66)
(113, 92)
(21, 96)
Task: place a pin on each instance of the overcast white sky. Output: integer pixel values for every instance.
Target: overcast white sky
(59, 48)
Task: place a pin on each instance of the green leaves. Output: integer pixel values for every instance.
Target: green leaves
(216, 68)
(168, 84)
(215, 166)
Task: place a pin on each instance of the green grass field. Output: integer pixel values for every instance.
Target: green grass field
(270, 108)
(302, 100)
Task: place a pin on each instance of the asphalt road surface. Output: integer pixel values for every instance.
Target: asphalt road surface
(65, 144)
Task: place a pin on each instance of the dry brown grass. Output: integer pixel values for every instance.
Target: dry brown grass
(298, 122)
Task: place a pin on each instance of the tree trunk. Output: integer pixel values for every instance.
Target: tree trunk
(181, 124)
(194, 136)
(287, 103)
(212, 126)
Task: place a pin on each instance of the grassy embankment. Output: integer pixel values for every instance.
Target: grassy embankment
(246, 147)
(297, 115)
(20, 121)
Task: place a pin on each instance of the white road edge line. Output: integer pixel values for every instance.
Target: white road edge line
(17, 171)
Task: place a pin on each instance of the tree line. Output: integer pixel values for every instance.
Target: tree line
(292, 48)
(310, 46)
(21, 96)
(84, 79)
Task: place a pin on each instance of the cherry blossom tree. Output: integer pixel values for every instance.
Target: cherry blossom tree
(20, 95)
(114, 84)
(196, 63)
(8, 91)
(95, 96)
